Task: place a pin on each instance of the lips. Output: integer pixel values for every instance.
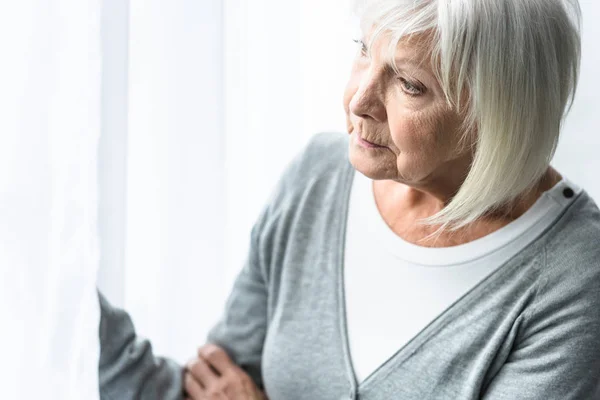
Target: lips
(367, 141)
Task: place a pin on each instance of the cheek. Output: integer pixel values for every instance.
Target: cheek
(424, 139)
(415, 132)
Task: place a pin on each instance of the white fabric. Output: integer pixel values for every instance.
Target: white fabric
(49, 124)
(386, 275)
(174, 209)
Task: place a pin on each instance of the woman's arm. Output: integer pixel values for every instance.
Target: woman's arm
(229, 366)
(128, 370)
(242, 328)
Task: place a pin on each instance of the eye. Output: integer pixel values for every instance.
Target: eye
(411, 89)
(363, 47)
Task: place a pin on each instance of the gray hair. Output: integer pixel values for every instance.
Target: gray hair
(512, 67)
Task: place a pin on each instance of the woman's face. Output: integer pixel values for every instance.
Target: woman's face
(405, 116)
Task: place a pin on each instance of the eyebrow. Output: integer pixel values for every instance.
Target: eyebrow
(407, 61)
(397, 60)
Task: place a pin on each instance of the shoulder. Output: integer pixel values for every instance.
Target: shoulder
(559, 333)
(309, 197)
(324, 154)
(572, 247)
(569, 277)
(317, 168)
(334, 143)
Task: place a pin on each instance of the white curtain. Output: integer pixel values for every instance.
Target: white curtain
(221, 95)
(49, 126)
(175, 240)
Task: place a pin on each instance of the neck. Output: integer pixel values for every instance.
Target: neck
(518, 207)
(402, 206)
(435, 197)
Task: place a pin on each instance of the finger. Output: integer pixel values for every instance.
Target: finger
(202, 372)
(216, 357)
(243, 387)
(192, 387)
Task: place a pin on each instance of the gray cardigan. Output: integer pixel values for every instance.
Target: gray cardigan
(531, 330)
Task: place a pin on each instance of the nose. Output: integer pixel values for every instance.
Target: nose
(369, 100)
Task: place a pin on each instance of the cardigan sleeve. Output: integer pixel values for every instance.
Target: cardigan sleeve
(242, 328)
(128, 369)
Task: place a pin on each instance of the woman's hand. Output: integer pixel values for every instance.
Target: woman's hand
(213, 376)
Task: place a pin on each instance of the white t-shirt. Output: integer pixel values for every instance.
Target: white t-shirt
(385, 275)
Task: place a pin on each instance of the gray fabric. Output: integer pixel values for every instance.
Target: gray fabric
(531, 330)
(128, 370)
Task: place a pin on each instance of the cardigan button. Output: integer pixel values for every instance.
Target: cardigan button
(568, 193)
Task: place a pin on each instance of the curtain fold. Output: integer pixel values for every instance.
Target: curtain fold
(49, 124)
(174, 242)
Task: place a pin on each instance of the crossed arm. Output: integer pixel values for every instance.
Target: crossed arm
(129, 370)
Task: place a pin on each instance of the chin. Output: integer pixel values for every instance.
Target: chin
(384, 166)
(372, 166)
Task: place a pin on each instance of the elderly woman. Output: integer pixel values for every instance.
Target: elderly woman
(432, 253)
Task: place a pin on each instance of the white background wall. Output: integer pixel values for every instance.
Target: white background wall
(578, 155)
(221, 95)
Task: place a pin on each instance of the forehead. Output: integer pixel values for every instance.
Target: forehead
(414, 50)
